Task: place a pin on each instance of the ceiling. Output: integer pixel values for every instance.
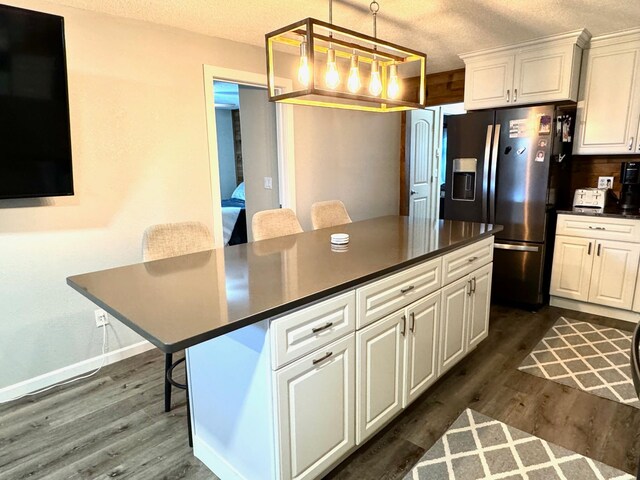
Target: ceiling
(440, 28)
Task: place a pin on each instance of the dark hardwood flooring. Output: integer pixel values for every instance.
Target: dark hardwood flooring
(113, 425)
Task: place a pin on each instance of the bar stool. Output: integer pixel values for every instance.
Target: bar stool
(274, 223)
(328, 214)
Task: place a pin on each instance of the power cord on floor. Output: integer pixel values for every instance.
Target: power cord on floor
(67, 382)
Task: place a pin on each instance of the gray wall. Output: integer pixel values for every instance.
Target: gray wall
(226, 155)
(259, 150)
(140, 157)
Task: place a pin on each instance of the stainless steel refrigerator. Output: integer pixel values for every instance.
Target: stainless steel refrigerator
(510, 167)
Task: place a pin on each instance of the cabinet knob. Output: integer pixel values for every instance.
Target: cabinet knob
(515, 95)
(508, 95)
(630, 146)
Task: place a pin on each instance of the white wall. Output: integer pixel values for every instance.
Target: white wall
(139, 142)
(259, 151)
(226, 152)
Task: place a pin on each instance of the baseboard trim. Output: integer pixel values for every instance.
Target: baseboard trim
(70, 371)
(626, 315)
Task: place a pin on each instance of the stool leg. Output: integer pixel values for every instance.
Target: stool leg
(168, 360)
(638, 474)
(186, 382)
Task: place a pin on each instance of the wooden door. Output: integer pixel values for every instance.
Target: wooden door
(489, 82)
(613, 278)
(315, 403)
(571, 271)
(422, 127)
(380, 358)
(545, 75)
(480, 306)
(453, 323)
(609, 108)
(421, 365)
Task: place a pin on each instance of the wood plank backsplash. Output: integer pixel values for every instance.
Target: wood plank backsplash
(585, 170)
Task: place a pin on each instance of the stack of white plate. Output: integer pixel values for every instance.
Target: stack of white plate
(339, 242)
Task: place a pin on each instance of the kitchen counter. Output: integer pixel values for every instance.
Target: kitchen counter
(182, 301)
(608, 212)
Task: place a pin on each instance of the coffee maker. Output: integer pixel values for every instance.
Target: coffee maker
(630, 179)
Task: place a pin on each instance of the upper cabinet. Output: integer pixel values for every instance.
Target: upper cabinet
(608, 117)
(538, 71)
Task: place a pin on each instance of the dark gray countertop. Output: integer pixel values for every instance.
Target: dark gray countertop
(181, 301)
(608, 212)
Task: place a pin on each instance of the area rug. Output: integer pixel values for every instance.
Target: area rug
(477, 446)
(588, 357)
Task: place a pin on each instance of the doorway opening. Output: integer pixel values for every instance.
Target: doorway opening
(246, 131)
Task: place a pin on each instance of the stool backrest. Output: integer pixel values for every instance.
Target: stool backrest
(328, 214)
(274, 223)
(172, 239)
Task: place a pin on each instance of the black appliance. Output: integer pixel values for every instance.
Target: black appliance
(510, 167)
(35, 143)
(630, 180)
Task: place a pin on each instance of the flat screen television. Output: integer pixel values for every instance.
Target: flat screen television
(35, 141)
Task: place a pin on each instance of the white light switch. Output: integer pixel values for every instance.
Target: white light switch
(268, 183)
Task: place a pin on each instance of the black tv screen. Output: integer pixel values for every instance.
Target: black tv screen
(35, 143)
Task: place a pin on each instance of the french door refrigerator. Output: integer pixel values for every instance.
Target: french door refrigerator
(509, 167)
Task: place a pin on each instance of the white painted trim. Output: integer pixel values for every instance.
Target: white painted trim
(214, 462)
(626, 315)
(285, 143)
(70, 371)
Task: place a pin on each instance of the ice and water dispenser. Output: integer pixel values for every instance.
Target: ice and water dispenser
(464, 179)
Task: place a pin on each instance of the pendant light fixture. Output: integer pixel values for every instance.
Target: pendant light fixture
(392, 77)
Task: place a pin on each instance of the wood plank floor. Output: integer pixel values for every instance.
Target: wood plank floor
(113, 425)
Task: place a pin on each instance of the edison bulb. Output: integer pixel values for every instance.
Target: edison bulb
(354, 84)
(332, 77)
(393, 89)
(303, 69)
(375, 84)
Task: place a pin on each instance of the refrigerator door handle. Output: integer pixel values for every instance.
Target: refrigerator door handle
(492, 180)
(487, 162)
(518, 248)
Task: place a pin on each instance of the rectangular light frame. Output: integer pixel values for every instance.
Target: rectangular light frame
(345, 41)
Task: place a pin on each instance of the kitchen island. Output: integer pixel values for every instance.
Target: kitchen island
(297, 354)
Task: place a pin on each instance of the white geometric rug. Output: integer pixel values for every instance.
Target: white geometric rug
(477, 446)
(588, 357)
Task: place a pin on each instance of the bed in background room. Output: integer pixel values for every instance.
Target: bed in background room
(234, 217)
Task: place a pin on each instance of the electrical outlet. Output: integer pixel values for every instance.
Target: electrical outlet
(102, 318)
(605, 182)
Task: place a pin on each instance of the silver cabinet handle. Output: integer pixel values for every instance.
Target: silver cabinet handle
(630, 144)
(324, 327)
(412, 328)
(474, 285)
(470, 290)
(407, 289)
(515, 95)
(508, 95)
(596, 228)
(404, 325)
(324, 357)
(472, 259)
(589, 250)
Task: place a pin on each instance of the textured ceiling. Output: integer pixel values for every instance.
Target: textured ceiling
(441, 28)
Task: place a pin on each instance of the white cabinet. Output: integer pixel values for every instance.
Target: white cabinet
(480, 305)
(613, 277)
(608, 116)
(421, 351)
(542, 70)
(591, 265)
(571, 271)
(315, 409)
(380, 358)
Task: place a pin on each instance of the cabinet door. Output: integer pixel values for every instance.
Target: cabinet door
(315, 404)
(571, 271)
(609, 108)
(489, 82)
(453, 323)
(480, 306)
(421, 366)
(546, 74)
(380, 358)
(613, 278)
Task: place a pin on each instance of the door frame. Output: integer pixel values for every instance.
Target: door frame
(284, 139)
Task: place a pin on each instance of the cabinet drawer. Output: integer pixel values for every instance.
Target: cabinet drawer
(306, 330)
(384, 296)
(604, 228)
(461, 262)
